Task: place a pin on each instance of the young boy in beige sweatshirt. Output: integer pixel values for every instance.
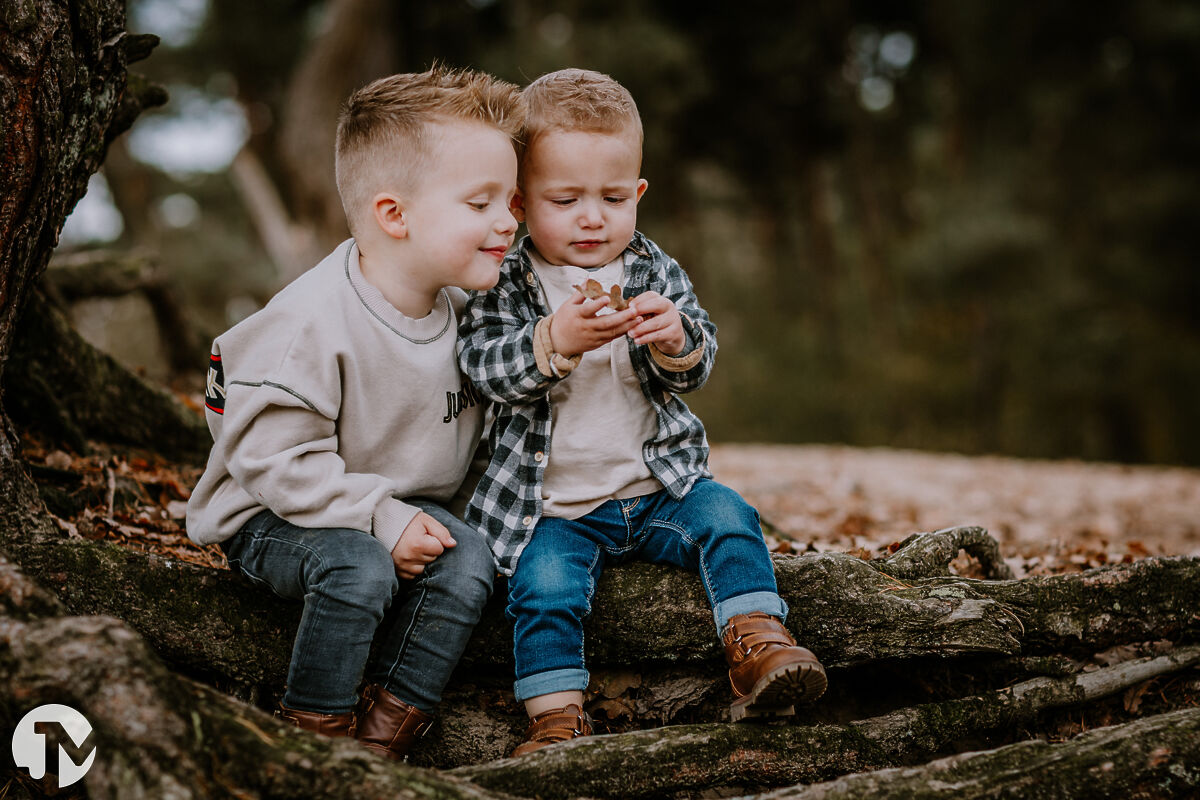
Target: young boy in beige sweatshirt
(341, 423)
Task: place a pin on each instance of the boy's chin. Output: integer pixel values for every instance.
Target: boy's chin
(481, 284)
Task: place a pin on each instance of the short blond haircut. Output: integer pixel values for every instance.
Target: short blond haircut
(578, 100)
(383, 129)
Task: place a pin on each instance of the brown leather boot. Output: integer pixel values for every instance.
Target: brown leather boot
(768, 672)
(324, 724)
(388, 725)
(555, 725)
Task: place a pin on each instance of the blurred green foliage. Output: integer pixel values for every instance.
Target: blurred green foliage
(983, 243)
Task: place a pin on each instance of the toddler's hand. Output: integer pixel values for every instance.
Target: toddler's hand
(662, 324)
(577, 329)
(421, 542)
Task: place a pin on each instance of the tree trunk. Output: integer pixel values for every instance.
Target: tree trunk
(357, 44)
(63, 96)
(864, 616)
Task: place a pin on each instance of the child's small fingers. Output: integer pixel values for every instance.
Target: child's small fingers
(654, 323)
(649, 303)
(622, 317)
(611, 323)
(438, 539)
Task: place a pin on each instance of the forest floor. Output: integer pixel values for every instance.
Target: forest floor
(1049, 516)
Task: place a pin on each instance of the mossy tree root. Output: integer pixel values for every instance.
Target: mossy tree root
(692, 758)
(1155, 757)
(928, 555)
(160, 735)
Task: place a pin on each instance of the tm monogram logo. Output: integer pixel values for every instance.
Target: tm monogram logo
(457, 402)
(39, 731)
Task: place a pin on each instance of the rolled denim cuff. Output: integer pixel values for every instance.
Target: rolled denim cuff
(767, 602)
(556, 680)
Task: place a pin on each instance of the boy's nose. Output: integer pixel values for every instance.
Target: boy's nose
(590, 215)
(506, 222)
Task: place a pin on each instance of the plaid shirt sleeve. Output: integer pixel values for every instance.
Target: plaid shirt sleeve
(495, 345)
(495, 352)
(699, 329)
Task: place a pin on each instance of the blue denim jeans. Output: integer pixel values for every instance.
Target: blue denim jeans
(353, 597)
(712, 531)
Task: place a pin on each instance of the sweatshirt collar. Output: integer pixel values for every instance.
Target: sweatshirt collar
(418, 331)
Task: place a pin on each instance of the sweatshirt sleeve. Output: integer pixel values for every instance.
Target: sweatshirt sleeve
(282, 448)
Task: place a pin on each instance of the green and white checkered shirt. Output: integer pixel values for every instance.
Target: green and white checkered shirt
(496, 352)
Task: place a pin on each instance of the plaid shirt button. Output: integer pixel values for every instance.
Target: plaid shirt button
(527, 521)
(538, 456)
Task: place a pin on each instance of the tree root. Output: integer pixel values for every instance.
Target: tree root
(58, 384)
(1155, 757)
(159, 735)
(845, 611)
(928, 555)
(691, 758)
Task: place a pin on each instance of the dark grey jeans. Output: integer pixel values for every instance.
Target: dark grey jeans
(353, 598)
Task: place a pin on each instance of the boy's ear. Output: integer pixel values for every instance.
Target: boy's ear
(517, 206)
(642, 186)
(388, 210)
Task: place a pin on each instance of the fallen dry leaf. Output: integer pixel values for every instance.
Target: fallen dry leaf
(613, 709)
(592, 290)
(1134, 695)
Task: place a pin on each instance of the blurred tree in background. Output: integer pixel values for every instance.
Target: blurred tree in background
(940, 225)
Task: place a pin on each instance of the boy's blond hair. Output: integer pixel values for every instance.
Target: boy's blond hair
(577, 100)
(383, 128)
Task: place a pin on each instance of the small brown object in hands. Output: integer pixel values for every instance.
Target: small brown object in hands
(592, 290)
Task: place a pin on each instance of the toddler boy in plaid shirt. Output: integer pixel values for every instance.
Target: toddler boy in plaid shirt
(595, 460)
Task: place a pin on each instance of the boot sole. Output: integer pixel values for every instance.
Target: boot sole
(778, 692)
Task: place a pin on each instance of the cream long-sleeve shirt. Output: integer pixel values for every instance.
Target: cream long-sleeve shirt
(601, 419)
(329, 407)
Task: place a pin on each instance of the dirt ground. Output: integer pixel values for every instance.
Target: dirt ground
(1049, 516)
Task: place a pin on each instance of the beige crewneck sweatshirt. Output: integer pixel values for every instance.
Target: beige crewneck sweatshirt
(336, 407)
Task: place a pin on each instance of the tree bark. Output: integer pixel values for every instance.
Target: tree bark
(691, 758)
(864, 616)
(63, 96)
(928, 555)
(1155, 757)
(159, 735)
(214, 625)
(106, 273)
(58, 384)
